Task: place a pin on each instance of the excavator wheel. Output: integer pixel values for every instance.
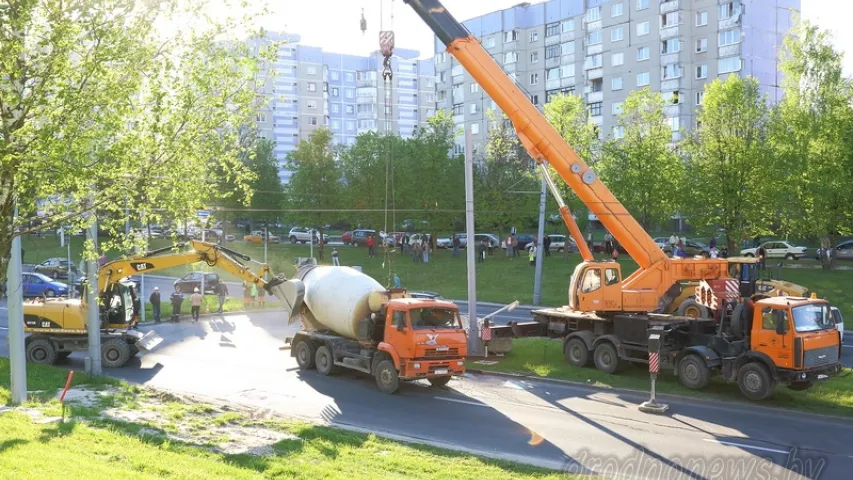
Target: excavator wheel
(304, 352)
(115, 353)
(41, 350)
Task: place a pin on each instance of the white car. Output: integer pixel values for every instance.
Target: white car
(839, 322)
(304, 235)
(777, 249)
(558, 243)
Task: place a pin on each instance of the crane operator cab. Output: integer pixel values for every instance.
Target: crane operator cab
(596, 286)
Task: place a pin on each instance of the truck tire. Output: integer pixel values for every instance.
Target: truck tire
(325, 361)
(606, 358)
(387, 377)
(738, 322)
(691, 308)
(755, 381)
(693, 372)
(800, 386)
(41, 350)
(304, 352)
(439, 381)
(115, 353)
(576, 353)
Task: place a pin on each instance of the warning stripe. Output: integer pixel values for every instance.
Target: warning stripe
(486, 334)
(654, 362)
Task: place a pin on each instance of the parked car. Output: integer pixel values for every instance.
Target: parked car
(559, 243)
(346, 238)
(258, 237)
(55, 268)
(359, 237)
(524, 240)
(661, 242)
(777, 249)
(839, 322)
(692, 247)
(189, 282)
(38, 285)
(842, 251)
(304, 235)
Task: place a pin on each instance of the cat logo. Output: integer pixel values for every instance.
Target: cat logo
(431, 338)
(141, 266)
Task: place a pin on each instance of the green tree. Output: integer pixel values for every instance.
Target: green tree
(97, 108)
(729, 162)
(314, 190)
(812, 137)
(641, 168)
(267, 191)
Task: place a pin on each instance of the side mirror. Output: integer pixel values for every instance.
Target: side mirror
(781, 325)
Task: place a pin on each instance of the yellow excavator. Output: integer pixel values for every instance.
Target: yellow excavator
(57, 326)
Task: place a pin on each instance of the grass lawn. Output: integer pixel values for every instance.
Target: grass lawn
(544, 358)
(93, 446)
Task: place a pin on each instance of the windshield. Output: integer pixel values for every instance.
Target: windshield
(434, 318)
(808, 318)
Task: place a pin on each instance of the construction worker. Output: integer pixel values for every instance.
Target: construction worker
(222, 294)
(335, 260)
(195, 303)
(154, 299)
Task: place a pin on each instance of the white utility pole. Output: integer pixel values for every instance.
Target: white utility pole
(15, 302)
(93, 323)
(203, 225)
(537, 279)
(266, 241)
(475, 344)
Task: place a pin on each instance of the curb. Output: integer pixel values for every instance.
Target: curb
(671, 396)
(208, 315)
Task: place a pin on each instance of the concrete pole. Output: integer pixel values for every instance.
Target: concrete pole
(266, 241)
(15, 302)
(203, 228)
(475, 344)
(93, 323)
(537, 280)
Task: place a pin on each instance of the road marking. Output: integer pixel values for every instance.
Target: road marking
(476, 404)
(4, 328)
(847, 346)
(743, 445)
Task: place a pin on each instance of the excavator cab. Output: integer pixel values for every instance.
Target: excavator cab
(596, 287)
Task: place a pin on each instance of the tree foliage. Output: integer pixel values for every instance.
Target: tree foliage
(314, 190)
(642, 169)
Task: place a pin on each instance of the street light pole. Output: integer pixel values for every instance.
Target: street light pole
(15, 303)
(93, 324)
(475, 344)
(537, 280)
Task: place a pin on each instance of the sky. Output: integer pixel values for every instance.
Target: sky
(334, 24)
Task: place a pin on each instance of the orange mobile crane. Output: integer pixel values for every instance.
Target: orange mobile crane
(754, 340)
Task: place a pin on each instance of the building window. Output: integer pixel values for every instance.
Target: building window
(616, 83)
(311, 70)
(552, 29)
(534, 78)
(702, 18)
(350, 109)
(440, 57)
(594, 37)
(442, 95)
(350, 77)
(670, 19)
(534, 36)
(312, 120)
(595, 109)
(567, 48)
(490, 42)
(336, 108)
(534, 99)
(702, 45)
(261, 117)
(552, 74)
(616, 108)
(312, 87)
(510, 57)
(430, 83)
(702, 71)
(642, 4)
(729, 37)
(727, 10)
(336, 124)
(670, 46)
(350, 93)
(673, 70)
(550, 94)
(729, 65)
(567, 26)
(617, 9)
(350, 125)
(643, 29)
(335, 91)
(593, 14)
(592, 61)
(473, 108)
(534, 57)
(458, 109)
(642, 54)
(675, 123)
(510, 36)
(617, 59)
(617, 34)
(567, 71)
(335, 75)
(457, 70)
(618, 132)
(475, 87)
(700, 96)
(475, 128)
(552, 51)
(642, 79)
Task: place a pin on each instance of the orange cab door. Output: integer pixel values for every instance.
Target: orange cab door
(600, 289)
(398, 333)
(772, 335)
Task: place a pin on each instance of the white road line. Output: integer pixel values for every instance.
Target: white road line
(4, 328)
(476, 404)
(847, 346)
(751, 447)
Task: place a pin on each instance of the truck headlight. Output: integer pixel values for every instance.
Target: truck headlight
(460, 363)
(416, 366)
(803, 375)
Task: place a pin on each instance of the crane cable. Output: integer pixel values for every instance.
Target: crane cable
(386, 45)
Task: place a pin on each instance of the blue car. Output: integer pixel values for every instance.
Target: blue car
(37, 285)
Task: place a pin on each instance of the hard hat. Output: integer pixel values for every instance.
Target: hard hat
(156, 288)
(814, 294)
(196, 290)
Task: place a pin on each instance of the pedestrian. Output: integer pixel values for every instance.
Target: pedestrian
(614, 254)
(589, 240)
(531, 255)
(713, 243)
(262, 295)
(455, 243)
(756, 242)
(514, 246)
(397, 282)
(490, 244)
(406, 243)
(481, 251)
(154, 299)
(195, 303)
(335, 260)
(762, 256)
(417, 255)
(546, 243)
(713, 253)
(254, 293)
(221, 294)
(319, 248)
(371, 243)
(673, 244)
(508, 245)
(681, 252)
(426, 250)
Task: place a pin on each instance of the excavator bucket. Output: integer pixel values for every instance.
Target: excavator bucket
(290, 293)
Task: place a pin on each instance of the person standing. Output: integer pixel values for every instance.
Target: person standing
(254, 293)
(508, 245)
(546, 243)
(426, 250)
(417, 252)
(319, 247)
(221, 294)
(673, 244)
(713, 243)
(247, 295)
(371, 243)
(455, 243)
(154, 299)
(514, 246)
(335, 260)
(589, 241)
(262, 295)
(531, 255)
(195, 303)
(481, 251)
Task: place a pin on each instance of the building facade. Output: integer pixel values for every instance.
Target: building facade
(601, 50)
(307, 88)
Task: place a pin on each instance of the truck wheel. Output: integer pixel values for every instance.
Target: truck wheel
(693, 373)
(439, 381)
(41, 351)
(387, 378)
(606, 358)
(691, 308)
(576, 353)
(800, 386)
(304, 353)
(325, 361)
(755, 381)
(115, 353)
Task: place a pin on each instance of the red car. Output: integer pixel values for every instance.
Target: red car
(346, 238)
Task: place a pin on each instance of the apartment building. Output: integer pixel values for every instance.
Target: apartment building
(602, 50)
(307, 88)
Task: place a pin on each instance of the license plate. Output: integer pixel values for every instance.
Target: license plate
(442, 348)
(441, 371)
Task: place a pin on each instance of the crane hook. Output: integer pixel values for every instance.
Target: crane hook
(363, 23)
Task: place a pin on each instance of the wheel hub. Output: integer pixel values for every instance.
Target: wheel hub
(385, 376)
(112, 354)
(606, 359)
(691, 372)
(576, 353)
(752, 381)
(39, 354)
(692, 312)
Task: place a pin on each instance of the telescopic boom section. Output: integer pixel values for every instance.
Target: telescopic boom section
(538, 136)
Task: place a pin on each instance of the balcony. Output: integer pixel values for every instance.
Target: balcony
(552, 39)
(593, 97)
(510, 67)
(567, 82)
(669, 6)
(552, 84)
(671, 110)
(552, 62)
(596, 120)
(596, 25)
(730, 22)
(729, 50)
(367, 115)
(459, 119)
(669, 85)
(594, 49)
(594, 73)
(362, 99)
(668, 32)
(667, 58)
(366, 82)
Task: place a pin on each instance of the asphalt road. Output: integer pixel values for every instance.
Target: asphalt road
(236, 359)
